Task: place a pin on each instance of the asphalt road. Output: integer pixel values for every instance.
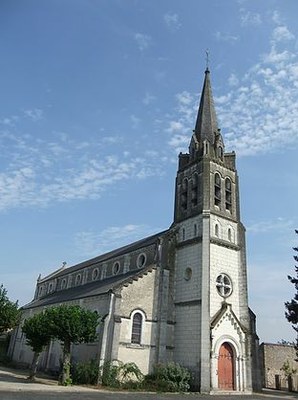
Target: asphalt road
(14, 386)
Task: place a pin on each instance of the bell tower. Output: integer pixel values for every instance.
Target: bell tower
(211, 305)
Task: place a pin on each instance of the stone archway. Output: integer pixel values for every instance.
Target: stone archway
(226, 367)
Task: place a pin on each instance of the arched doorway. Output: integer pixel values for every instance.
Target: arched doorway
(226, 367)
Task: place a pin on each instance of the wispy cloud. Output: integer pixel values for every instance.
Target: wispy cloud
(35, 114)
(90, 243)
(249, 18)
(226, 37)
(172, 21)
(135, 121)
(279, 224)
(282, 33)
(143, 41)
(40, 173)
(148, 99)
(260, 112)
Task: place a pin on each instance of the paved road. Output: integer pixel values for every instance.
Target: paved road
(14, 386)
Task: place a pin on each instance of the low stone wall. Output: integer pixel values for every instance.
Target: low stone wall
(273, 359)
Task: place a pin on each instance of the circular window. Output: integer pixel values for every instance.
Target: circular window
(116, 268)
(188, 274)
(141, 260)
(95, 274)
(224, 285)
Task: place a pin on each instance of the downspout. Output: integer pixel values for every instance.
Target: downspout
(105, 335)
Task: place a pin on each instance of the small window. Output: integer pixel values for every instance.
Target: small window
(63, 283)
(220, 152)
(141, 260)
(217, 190)
(116, 268)
(195, 230)
(136, 331)
(40, 291)
(194, 190)
(229, 234)
(228, 194)
(216, 230)
(50, 288)
(95, 274)
(78, 279)
(184, 194)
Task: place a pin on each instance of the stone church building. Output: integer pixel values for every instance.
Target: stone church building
(179, 295)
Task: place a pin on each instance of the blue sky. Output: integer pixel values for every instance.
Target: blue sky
(98, 97)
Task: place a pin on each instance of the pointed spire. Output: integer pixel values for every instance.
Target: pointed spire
(206, 124)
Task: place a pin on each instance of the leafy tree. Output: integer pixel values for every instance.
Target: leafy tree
(292, 306)
(38, 336)
(9, 312)
(71, 324)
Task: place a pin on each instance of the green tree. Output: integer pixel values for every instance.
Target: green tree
(292, 306)
(71, 324)
(9, 312)
(38, 336)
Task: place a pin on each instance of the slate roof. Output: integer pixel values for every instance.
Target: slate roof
(91, 289)
(206, 124)
(106, 256)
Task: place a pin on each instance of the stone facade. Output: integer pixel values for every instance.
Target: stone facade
(273, 358)
(179, 295)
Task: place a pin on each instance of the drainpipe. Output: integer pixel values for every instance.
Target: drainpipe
(105, 336)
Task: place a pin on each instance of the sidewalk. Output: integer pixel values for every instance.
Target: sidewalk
(16, 380)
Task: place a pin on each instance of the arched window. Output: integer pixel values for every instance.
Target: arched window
(228, 193)
(184, 194)
(194, 190)
(229, 234)
(136, 332)
(216, 230)
(195, 230)
(217, 190)
(220, 152)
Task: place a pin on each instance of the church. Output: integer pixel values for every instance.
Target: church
(180, 295)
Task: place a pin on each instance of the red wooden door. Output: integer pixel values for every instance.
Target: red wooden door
(226, 367)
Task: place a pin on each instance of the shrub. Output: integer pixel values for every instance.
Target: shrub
(118, 374)
(85, 372)
(170, 377)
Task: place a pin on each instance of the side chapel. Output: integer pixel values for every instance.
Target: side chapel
(179, 295)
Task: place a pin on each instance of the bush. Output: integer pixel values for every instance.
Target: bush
(118, 374)
(85, 373)
(170, 377)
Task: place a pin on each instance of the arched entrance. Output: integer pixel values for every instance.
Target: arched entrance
(226, 367)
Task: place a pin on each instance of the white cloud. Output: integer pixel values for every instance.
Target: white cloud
(233, 80)
(135, 121)
(277, 225)
(143, 41)
(148, 99)
(276, 17)
(282, 33)
(249, 18)
(226, 37)
(34, 114)
(92, 243)
(258, 114)
(172, 21)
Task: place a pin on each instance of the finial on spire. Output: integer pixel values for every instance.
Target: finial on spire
(207, 59)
